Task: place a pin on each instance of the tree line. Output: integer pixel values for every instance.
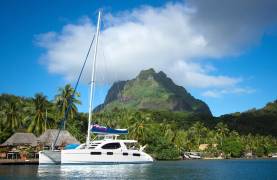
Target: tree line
(35, 114)
(166, 134)
(168, 138)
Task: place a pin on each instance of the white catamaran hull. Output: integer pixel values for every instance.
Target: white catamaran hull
(87, 156)
(49, 157)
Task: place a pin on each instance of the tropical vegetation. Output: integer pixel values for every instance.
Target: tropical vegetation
(163, 133)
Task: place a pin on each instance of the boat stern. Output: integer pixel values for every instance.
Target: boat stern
(49, 157)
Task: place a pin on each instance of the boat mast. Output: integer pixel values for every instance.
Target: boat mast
(92, 83)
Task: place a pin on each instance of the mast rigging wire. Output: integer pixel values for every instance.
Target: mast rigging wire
(62, 122)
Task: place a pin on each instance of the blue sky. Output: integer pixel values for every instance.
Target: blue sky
(230, 69)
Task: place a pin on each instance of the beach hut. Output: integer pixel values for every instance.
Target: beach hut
(20, 145)
(48, 137)
(21, 139)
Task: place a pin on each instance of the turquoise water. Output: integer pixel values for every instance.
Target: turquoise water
(198, 169)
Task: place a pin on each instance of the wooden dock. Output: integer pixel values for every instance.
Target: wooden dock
(18, 161)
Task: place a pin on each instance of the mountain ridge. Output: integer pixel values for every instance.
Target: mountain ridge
(151, 90)
(255, 121)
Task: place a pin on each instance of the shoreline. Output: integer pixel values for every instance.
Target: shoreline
(259, 158)
(18, 162)
(36, 162)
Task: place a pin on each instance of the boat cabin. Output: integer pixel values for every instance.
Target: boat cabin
(110, 141)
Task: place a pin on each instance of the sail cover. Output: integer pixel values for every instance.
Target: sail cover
(106, 130)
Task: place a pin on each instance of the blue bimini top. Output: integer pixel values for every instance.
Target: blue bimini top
(97, 129)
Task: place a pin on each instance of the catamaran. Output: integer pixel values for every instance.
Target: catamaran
(106, 147)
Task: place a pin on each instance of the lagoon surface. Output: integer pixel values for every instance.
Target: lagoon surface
(192, 169)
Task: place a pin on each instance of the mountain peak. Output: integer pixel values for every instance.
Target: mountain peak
(151, 90)
(144, 74)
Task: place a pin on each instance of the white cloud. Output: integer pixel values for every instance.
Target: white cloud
(220, 93)
(211, 93)
(169, 38)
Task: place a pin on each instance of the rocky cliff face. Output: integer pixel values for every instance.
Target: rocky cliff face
(151, 90)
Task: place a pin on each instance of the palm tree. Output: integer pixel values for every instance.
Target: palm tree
(249, 142)
(12, 115)
(140, 126)
(198, 130)
(106, 118)
(2, 115)
(179, 139)
(211, 137)
(166, 130)
(222, 130)
(188, 141)
(123, 118)
(66, 100)
(38, 121)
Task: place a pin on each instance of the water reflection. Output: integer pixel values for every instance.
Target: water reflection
(117, 171)
(17, 171)
(200, 169)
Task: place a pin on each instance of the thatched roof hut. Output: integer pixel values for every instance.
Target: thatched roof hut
(49, 136)
(18, 139)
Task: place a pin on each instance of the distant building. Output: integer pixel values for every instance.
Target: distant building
(248, 155)
(21, 139)
(203, 147)
(49, 136)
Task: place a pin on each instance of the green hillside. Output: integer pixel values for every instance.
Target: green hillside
(154, 91)
(255, 121)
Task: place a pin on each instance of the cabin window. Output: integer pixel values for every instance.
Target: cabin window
(136, 154)
(111, 146)
(125, 154)
(109, 153)
(95, 153)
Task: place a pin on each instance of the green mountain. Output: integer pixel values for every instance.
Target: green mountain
(256, 121)
(154, 91)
